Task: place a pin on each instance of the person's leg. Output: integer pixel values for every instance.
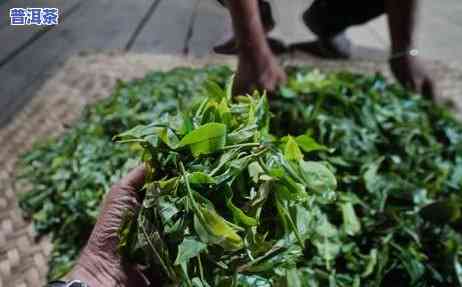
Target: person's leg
(265, 13)
(329, 19)
(229, 46)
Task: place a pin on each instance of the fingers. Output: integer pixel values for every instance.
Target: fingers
(428, 89)
(268, 80)
(134, 179)
(423, 86)
(125, 195)
(413, 76)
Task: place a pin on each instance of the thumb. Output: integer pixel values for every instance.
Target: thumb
(134, 180)
(123, 196)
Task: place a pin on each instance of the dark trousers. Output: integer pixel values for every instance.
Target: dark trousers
(330, 17)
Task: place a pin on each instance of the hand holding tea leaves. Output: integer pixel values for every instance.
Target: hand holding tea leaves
(99, 263)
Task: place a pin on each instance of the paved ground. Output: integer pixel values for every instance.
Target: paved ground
(29, 55)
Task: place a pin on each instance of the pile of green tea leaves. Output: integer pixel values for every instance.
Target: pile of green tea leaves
(337, 180)
(69, 175)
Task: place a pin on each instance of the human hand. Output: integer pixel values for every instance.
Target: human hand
(259, 71)
(99, 264)
(410, 71)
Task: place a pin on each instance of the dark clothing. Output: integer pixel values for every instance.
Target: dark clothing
(327, 18)
(331, 17)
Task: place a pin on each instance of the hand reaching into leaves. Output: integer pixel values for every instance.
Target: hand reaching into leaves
(260, 72)
(413, 75)
(258, 68)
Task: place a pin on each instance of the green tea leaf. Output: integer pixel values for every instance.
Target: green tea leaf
(351, 223)
(206, 139)
(198, 177)
(292, 277)
(229, 87)
(252, 281)
(255, 171)
(371, 263)
(308, 144)
(241, 135)
(214, 91)
(218, 230)
(317, 176)
(262, 113)
(238, 215)
(291, 150)
(458, 270)
(327, 241)
(188, 249)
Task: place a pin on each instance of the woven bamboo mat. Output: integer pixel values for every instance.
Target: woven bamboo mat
(83, 79)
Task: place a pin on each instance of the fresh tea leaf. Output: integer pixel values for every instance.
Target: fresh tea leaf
(188, 249)
(206, 139)
(291, 150)
(317, 176)
(308, 144)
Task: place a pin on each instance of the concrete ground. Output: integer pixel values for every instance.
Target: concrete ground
(29, 55)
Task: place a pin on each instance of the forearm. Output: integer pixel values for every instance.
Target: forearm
(248, 27)
(402, 20)
(257, 68)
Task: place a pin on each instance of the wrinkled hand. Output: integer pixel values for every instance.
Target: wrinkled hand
(412, 74)
(99, 264)
(258, 72)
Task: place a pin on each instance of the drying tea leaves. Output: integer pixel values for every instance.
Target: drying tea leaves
(337, 180)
